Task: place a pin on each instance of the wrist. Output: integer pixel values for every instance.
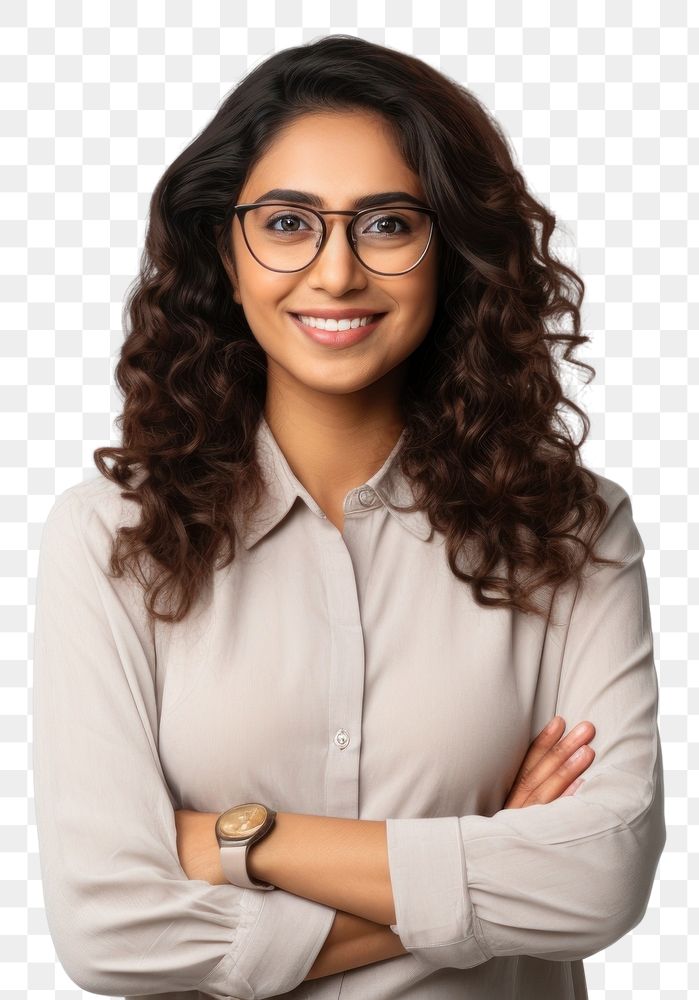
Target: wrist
(262, 855)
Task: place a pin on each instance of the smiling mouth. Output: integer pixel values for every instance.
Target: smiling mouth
(372, 319)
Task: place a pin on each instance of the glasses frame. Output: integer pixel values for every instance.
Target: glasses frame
(241, 210)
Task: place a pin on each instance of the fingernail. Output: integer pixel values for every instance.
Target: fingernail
(579, 753)
(552, 724)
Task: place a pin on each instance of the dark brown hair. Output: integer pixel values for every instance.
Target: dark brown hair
(491, 457)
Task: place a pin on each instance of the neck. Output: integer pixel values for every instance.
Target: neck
(334, 442)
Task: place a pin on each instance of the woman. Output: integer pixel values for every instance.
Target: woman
(367, 566)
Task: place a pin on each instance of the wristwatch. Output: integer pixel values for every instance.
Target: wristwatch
(236, 830)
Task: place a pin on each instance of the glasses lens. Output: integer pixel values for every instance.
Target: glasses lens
(391, 240)
(287, 238)
(283, 237)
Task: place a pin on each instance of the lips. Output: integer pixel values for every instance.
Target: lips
(337, 338)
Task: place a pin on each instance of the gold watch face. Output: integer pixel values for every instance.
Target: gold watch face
(240, 822)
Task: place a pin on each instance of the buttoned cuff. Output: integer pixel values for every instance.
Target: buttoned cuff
(435, 919)
(286, 933)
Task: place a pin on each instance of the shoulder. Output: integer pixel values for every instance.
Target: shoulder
(611, 491)
(75, 556)
(94, 508)
(618, 536)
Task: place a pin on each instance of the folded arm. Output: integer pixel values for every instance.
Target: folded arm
(559, 881)
(564, 880)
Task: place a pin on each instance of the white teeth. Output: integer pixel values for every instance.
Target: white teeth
(333, 324)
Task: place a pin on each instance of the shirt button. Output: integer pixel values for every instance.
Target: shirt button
(366, 496)
(342, 738)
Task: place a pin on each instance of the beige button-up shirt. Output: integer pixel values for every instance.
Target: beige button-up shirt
(343, 674)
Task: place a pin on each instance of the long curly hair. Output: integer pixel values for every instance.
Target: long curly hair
(487, 448)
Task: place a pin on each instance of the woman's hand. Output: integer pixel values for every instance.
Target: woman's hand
(549, 771)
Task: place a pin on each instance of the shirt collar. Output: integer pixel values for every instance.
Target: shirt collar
(281, 488)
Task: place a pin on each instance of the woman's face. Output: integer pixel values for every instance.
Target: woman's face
(340, 157)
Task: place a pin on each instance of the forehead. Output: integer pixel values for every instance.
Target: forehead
(337, 156)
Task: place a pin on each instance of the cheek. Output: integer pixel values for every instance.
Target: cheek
(260, 299)
(416, 312)
(408, 334)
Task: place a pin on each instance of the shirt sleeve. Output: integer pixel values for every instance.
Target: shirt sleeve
(123, 915)
(565, 879)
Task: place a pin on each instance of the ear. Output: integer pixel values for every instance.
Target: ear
(229, 268)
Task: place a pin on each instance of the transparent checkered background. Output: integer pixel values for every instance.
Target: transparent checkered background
(97, 98)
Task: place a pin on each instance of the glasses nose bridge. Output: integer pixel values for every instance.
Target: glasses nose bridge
(330, 225)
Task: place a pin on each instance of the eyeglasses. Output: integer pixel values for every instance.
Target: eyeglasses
(396, 247)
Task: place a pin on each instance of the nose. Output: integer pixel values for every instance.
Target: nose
(336, 266)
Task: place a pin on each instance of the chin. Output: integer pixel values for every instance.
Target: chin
(339, 383)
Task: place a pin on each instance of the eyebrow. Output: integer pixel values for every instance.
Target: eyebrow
(366, 201)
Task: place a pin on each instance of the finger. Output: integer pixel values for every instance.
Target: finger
(538, 749)
(552, 787)
(540, 764)
(528, 777)
(557, 756)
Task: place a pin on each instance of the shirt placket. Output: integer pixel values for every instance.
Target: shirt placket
(346, 663)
